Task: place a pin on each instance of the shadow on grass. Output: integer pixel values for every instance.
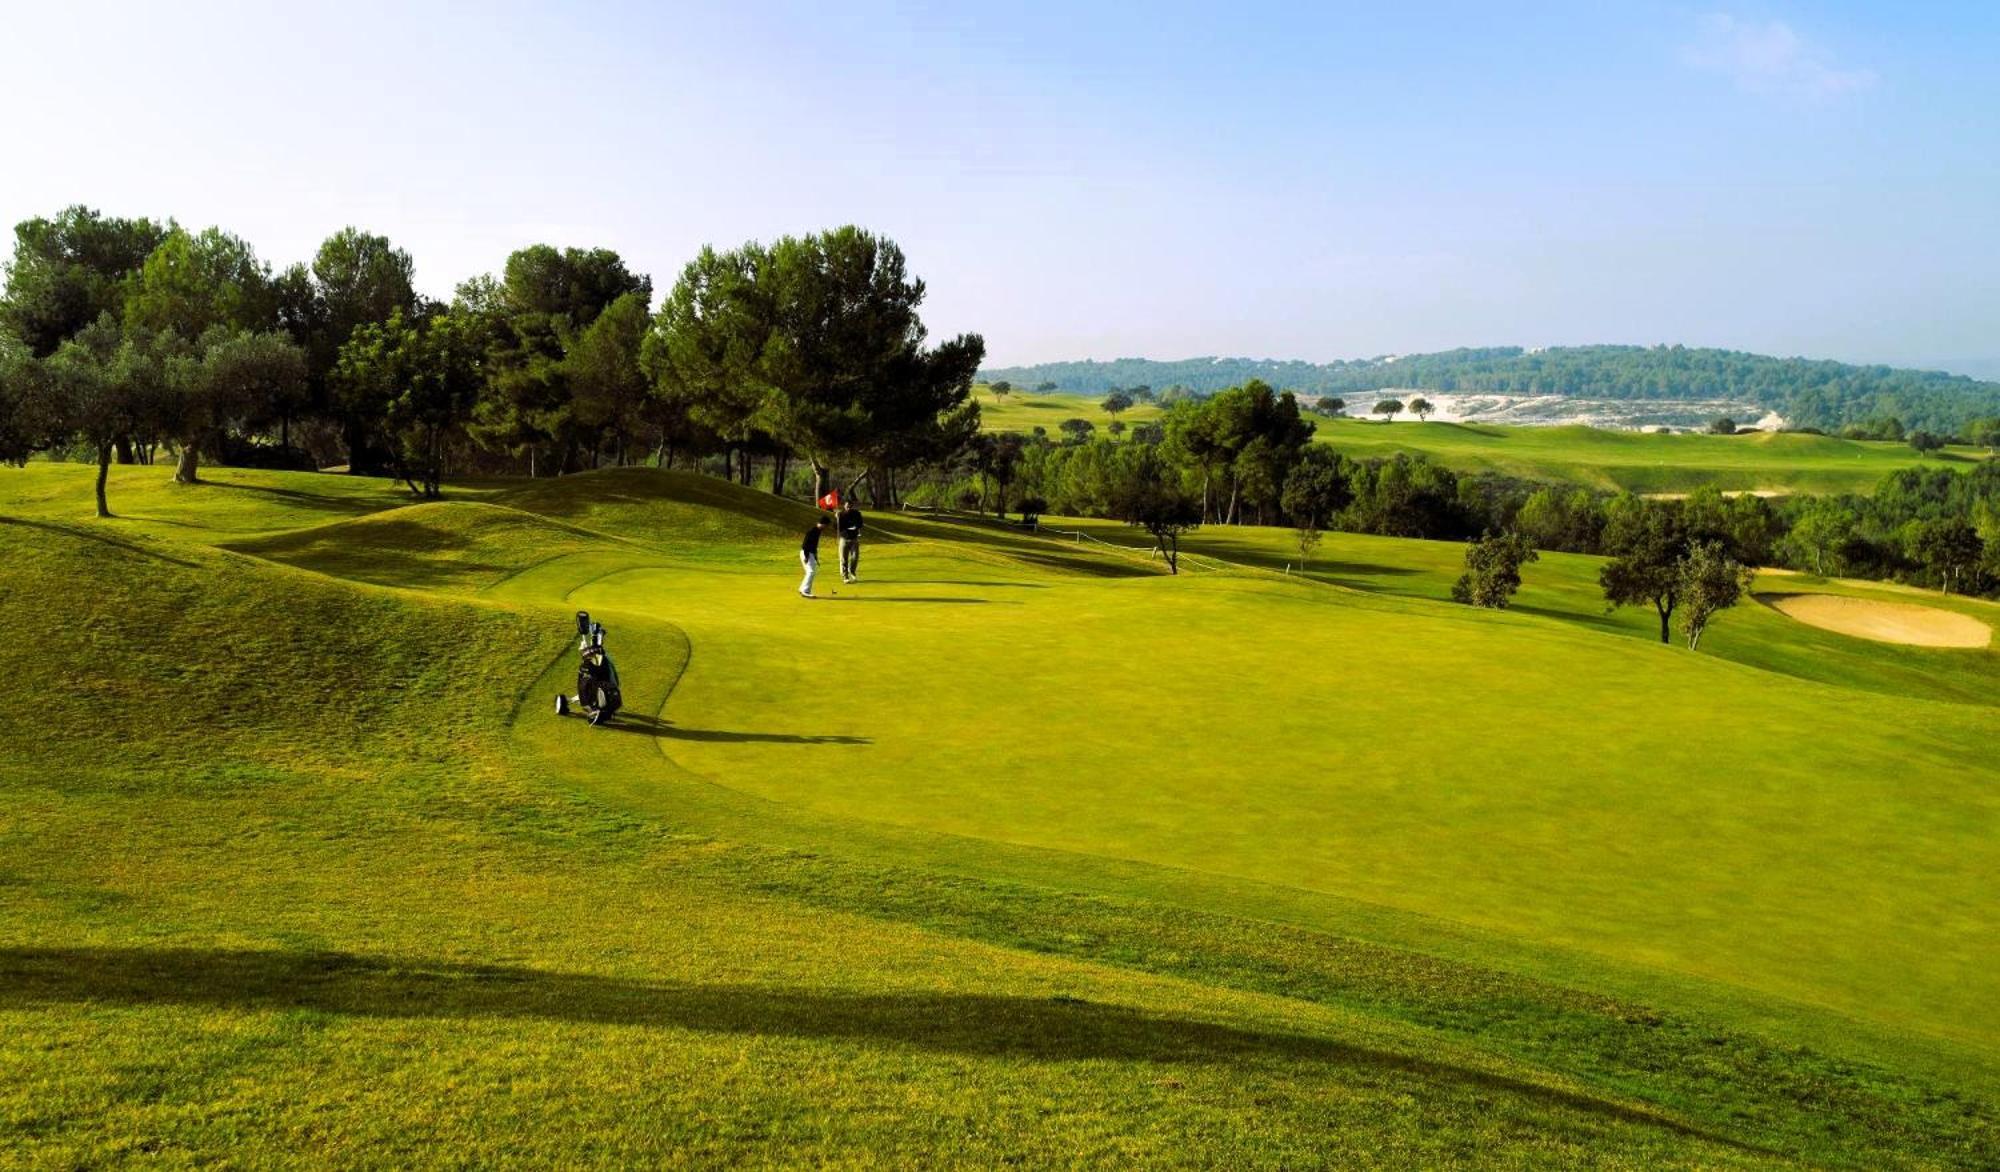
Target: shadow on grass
(915, 598)
(1367, 569)
(387, 553)
(965, 582)
(1055, 1029)
(352, 506)
(654, 726)
(1601, 620)
(89, 533)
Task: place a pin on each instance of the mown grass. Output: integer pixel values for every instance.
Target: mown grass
(297, 868)
(1565, 586)
(1645, 462)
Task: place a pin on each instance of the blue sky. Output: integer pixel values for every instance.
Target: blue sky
(1075, 180)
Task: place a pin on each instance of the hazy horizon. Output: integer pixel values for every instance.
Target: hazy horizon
(1788, 179)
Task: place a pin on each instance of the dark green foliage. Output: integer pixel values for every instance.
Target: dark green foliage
(1116, 402)
(1146, 496)
(1722, 426)
(231, 380)
(1926, 442)
(362, 279)
(1387, 408)
(192, 284)
(1315, 492)
(817, 342)
(558, 390)
(1493, 569)
(608, 388)
(69, 271)
(101, 388)
(418, 380)
(1566, 519)
(1243, 440)
(1646, 540)
(1887, 428)
(1947, 548)
(996, 457)
(1421, 408)
(1407, 496)
(1820, 534)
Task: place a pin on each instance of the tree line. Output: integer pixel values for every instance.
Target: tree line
(1246, 455)
(122, 339)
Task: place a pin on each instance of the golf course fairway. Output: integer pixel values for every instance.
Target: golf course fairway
(1018, 849)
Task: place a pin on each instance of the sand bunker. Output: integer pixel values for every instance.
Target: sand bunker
(1886, 622)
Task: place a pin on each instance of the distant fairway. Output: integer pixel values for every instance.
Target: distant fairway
(1595, 457)
(1019, 849)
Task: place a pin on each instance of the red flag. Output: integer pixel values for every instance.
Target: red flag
(831, 500)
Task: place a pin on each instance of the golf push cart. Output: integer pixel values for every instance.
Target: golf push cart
(597, 694)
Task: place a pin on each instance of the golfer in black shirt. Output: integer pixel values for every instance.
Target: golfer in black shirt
(849, 523)
(809, 555)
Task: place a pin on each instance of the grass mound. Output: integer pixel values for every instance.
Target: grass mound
(683, 511)
(443, 545)
(214, 666)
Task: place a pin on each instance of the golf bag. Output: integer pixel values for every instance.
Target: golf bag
(597, 695)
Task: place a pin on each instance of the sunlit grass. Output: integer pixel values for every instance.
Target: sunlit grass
(1005, 855)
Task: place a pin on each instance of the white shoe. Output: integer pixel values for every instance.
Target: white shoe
(803, 594)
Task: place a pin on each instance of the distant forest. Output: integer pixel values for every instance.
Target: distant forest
(1808, 393)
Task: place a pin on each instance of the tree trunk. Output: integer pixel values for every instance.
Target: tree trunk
(357, 448)
(822, 479)
(1172, 547)
(124, 443)
(188, 469)
(103, 473)
(1666, 632)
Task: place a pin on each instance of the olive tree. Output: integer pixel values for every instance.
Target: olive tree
(1493, 569)
(1709, 581)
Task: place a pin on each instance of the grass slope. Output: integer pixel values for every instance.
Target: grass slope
(297, 867)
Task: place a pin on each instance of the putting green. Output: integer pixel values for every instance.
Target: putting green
(1504, 771)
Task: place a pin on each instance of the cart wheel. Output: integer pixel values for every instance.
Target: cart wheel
(562, 704)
